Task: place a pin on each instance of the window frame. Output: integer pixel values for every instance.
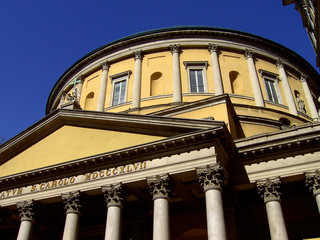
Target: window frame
(117, 78)
(197, 65)
(274, 79)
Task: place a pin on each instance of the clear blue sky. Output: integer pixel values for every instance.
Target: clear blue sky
(41, 39)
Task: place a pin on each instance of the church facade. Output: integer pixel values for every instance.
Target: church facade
(179, 133)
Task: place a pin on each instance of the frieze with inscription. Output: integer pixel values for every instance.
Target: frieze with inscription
(74, 179)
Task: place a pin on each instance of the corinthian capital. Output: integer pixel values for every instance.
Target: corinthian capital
(138, 55)
(72, 202)
(113, 194)
(26, 211)
(248, 53)
(269, 189)
(105, 65)
(160, 186)
(313, 182)
(279, 63)
(213, 48)
(211, 177)
(175, 48)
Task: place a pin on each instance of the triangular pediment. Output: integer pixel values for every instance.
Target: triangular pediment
(67, 135)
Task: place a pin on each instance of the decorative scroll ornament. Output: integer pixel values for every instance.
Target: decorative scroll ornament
(279, 63)
(313, 182)
(269, 190)
(211, 177)
(113, 194)
(248, 53)
(175, 48)
(138, 55)
(25, 210)
(160, 186)
(213, 48)
(71, 202)
(105, 65)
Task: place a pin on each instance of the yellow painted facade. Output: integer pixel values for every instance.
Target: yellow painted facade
(70, 143)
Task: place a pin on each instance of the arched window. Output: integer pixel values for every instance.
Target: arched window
(156, 85)
(236, 83)
(88, 105)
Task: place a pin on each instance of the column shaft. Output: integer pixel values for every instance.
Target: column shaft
(215, 215)
(113, 223)
(318, 201)
(71, 226)
(79, 88)
(276, 222)
(287, 90)
(176, 77)
(25, 230)
(136, 94)
(72, 206)
(161, 219)
(254, 80)
(103, 87)
(312, 107)
(217, 79)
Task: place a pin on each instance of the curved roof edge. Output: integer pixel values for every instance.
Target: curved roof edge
(171, 31)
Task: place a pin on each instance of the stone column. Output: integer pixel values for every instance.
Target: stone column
(113, 195)
(176, 77)
(79, 87)
(286, 88)
(218, 86)
(72, 206)
(160, 187)
(313, 183)
(312, 106)
(269, 192)
(103, 86)
(211, 179)
(136, 94)
(26, 214)
(256, 88)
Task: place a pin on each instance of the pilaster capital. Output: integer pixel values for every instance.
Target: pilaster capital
(279, 63)
(248, 53)
(138, 55)
(113, 194)
(175, 48)
(211, 177)
(160, 186)
(303, 77)
(72, 203)
(105, 65)
(26, 210)
(313, 182)
(268, 189)
(213, 48)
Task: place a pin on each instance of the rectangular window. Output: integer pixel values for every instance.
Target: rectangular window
(271, 84)
(119, 87)
(197, 77)
(196, 80)
(119, 92)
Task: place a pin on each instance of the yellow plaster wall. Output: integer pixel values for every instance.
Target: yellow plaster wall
(159, 62)
(91, 84)
(232, 61)
(119, 67)
(69, 143)
(195, 55)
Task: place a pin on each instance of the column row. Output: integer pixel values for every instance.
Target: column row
(211, 179)
(269, 191)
